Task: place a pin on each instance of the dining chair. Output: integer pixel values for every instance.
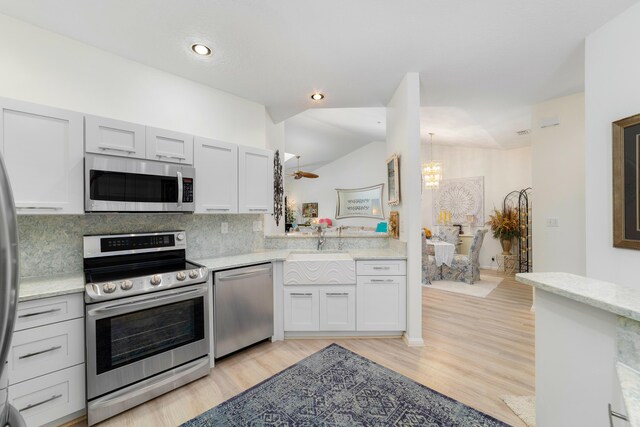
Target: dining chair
(466, 268)
(449, 235)
(430, 271)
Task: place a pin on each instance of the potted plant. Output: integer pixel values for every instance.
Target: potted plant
(505, 227)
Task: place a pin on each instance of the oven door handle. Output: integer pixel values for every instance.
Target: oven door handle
(146, 302)
(180, 188)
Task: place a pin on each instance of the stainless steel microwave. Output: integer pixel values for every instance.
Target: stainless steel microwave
(120, 184)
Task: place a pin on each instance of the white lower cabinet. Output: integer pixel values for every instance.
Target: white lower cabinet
(338, 308)
(320, 308)
(301, 308)
(381, 303)
(50, 397)
(46, 360)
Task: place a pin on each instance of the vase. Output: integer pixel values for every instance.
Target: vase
(506, 246)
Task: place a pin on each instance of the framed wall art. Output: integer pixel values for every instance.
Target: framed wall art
(359, 202)
(310, 210)
(626, 189)
(393, 180)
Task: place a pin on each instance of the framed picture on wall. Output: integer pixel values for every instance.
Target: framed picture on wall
(393, 180)
(626, 174)
(310, 210)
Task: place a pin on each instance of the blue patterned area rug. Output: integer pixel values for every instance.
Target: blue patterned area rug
(335, 387)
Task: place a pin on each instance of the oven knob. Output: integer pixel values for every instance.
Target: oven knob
(194, 273)
(126, 285)
(109, 287)
(156, 279)
(181, 275)
(180, 237)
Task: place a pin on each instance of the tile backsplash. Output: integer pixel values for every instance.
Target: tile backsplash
(52, 244)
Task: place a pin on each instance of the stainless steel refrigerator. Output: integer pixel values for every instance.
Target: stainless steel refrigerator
(8, 292)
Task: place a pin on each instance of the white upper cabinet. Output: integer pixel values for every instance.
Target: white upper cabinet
(43, 150)
(255, 180)
(169, 146)
(114, 137)
(216, 166)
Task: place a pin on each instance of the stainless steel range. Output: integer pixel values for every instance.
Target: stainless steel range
(147, 319)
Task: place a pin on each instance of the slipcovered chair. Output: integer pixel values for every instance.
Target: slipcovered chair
(430, 270)
(449, 235)
(466, 268)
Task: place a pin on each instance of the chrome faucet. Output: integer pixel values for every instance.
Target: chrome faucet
(340, 246)
(321, 238)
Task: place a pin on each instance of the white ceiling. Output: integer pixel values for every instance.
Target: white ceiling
(482, 64)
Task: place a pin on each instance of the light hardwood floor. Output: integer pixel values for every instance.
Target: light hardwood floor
(476, 350)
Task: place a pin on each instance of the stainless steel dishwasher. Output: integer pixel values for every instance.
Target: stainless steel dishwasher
(242, 307)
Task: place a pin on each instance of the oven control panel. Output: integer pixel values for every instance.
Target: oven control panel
(128, 244)
(95, 292)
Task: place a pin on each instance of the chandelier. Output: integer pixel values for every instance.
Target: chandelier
(432, 171)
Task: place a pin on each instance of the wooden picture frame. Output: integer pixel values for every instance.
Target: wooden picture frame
(394, 224)
(310, 210)
(393, 180)
(626, 188)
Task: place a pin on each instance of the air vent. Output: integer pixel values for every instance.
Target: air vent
(523, 132)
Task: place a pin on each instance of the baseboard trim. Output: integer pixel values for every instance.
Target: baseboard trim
(412, 342)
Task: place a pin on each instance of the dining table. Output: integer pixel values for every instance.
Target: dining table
(443, 251)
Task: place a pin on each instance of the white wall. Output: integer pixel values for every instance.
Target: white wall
(43, 67)
(361, 168)
(612, 92)
(403, 138)
(558, 183)
(503, 172)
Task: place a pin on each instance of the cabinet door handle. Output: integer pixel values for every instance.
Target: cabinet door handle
(338, 294)
(122, 150)
(257, 210)
(33, 405)
(618, 415)
(381, 268)
(35, 353)
(301, 294)
(38, 313)
(382, 280)
(217, 209)
(164, 156)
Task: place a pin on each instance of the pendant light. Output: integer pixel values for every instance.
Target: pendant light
(432, 171)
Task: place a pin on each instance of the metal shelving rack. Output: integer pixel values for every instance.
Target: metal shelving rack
(521, 201)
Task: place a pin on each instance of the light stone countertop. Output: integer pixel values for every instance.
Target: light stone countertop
(617, 299)
(31, 288)
(630, 384)
(607, 296)
(43, 287)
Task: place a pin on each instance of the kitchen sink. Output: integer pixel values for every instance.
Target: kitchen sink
(319, 268)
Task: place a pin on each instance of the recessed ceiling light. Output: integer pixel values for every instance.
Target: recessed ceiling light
(317, 96)
(201, 49)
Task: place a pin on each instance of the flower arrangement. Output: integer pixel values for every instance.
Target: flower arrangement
(504, 224)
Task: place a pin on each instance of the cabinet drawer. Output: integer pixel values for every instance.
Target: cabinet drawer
(50, 397)
(381, 268)
(49, 310)
(42, 350)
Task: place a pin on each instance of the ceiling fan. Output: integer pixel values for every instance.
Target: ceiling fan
(302, 174)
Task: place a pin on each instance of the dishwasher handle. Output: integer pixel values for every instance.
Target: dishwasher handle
(235, 275)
